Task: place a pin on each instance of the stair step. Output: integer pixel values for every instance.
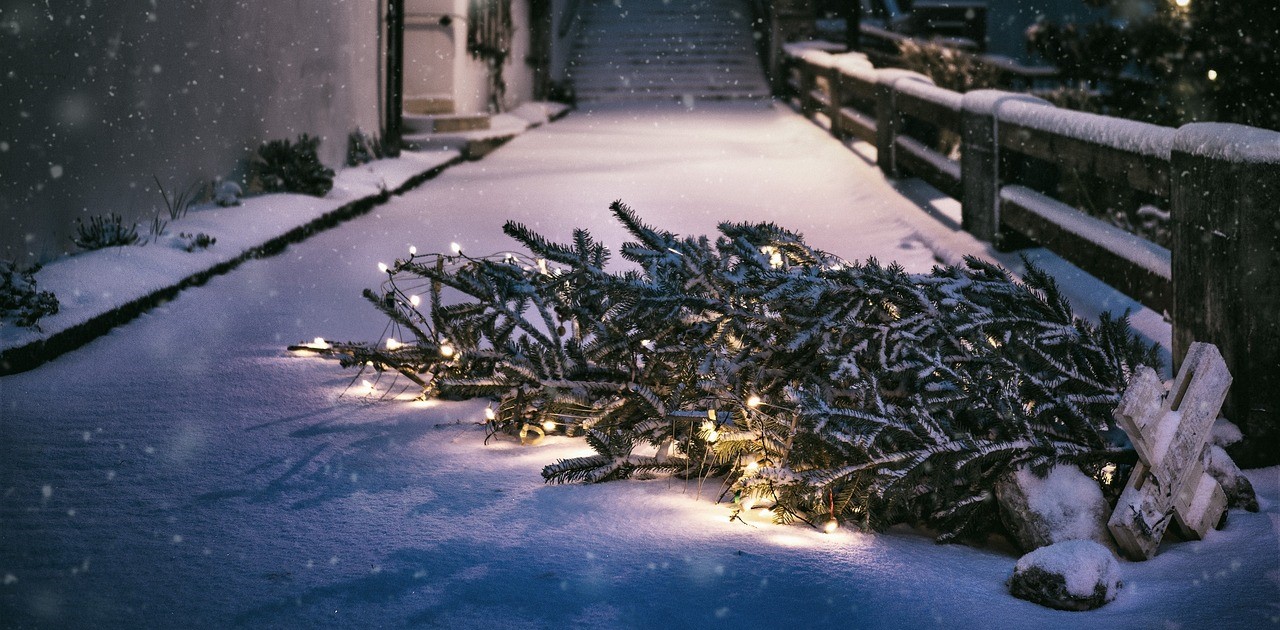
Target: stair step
(428, 105)
(446, 123)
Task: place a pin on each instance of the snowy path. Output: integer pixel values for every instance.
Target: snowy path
(185, 472)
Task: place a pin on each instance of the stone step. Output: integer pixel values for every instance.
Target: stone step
(428, 105)
(445, 123)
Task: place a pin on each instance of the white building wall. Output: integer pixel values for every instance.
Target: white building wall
(98, 97)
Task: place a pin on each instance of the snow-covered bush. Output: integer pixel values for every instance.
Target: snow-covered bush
(823, 389)
(192, 242)
(21, 303)
(285, 166)
(104, 231)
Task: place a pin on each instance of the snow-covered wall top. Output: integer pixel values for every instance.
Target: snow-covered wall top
(1228, 142)
(99, 97)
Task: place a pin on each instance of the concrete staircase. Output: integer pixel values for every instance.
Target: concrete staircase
(683, 50)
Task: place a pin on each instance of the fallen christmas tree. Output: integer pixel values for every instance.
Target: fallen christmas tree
(825, 390)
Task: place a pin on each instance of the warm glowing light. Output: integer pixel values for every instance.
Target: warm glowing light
(753, 401)
(831, 526)
(753, 467)
(415, 300)
(710, 430)
(383, 267)
(489, 413)
(1182, 3)
(1213, 75)
(775, 260)
(393, 344)
(446, 350)
(748, 502)
(366, 386)
(320, 344)
(548, 426)
(457, 249)
(413, 251)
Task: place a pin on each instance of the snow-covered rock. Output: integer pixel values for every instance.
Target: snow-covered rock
(1071, 575)
(1225, 433)
(1223, 469)
(1063, 505)
(228, 194)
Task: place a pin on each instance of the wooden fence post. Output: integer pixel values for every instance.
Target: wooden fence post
(980, 160)
(835, 95)
(888, 118)
(1226, 268)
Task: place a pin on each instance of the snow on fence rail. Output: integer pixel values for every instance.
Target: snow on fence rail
(1001, 153)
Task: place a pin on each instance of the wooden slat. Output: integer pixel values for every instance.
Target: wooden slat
(933, 167)
(1131, 264)
(929, 111)
(857, 124)
(1138, 171)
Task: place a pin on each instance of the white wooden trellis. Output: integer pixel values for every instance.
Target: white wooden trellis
(1169, 432)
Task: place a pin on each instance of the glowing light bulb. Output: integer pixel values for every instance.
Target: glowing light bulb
(775, 260)
(455, 247)
(320, 344)
(393, 344)
(712, 433)
(548, 426)
(831, 526)
(446, 350)
(489, 413)
(753, 401)
(1182, 3)
(1213, 75)
(413, 251)
(415, 300)
(383, 267)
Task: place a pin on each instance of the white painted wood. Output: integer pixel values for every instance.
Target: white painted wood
(1169, 432)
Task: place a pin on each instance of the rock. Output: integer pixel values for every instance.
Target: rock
(228, 194)
(1237, 487)
(1225, 433)
(1071, 575)
(1065, 505)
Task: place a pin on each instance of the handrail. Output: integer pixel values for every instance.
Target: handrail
(1220, 184)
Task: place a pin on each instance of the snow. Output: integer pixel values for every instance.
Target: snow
(1228, 142)
(91, 283)
(1118, 133)
(1065, 499)
(186, 471)
(932, 93)
(1083, 563)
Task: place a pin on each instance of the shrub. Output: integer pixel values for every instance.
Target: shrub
(104, 231)
(181, 202)
(20, 301)
(192, 242)
(363, 148)
(285, 166)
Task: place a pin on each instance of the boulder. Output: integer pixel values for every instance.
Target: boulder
(1071, 575)
(1065, 504)
(1234, 484)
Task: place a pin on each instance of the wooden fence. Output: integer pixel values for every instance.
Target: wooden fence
(1219, 281)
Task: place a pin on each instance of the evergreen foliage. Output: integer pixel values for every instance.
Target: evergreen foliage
(285, 166)
(21, 303)
(820, 388)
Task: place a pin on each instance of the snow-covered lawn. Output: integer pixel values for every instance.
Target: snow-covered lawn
(186, 471)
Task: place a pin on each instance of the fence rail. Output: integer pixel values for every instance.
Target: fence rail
(1005, 156)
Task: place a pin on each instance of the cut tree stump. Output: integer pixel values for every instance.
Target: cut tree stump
(1169, 433)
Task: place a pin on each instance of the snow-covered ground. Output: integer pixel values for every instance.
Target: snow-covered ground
(185, 471)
